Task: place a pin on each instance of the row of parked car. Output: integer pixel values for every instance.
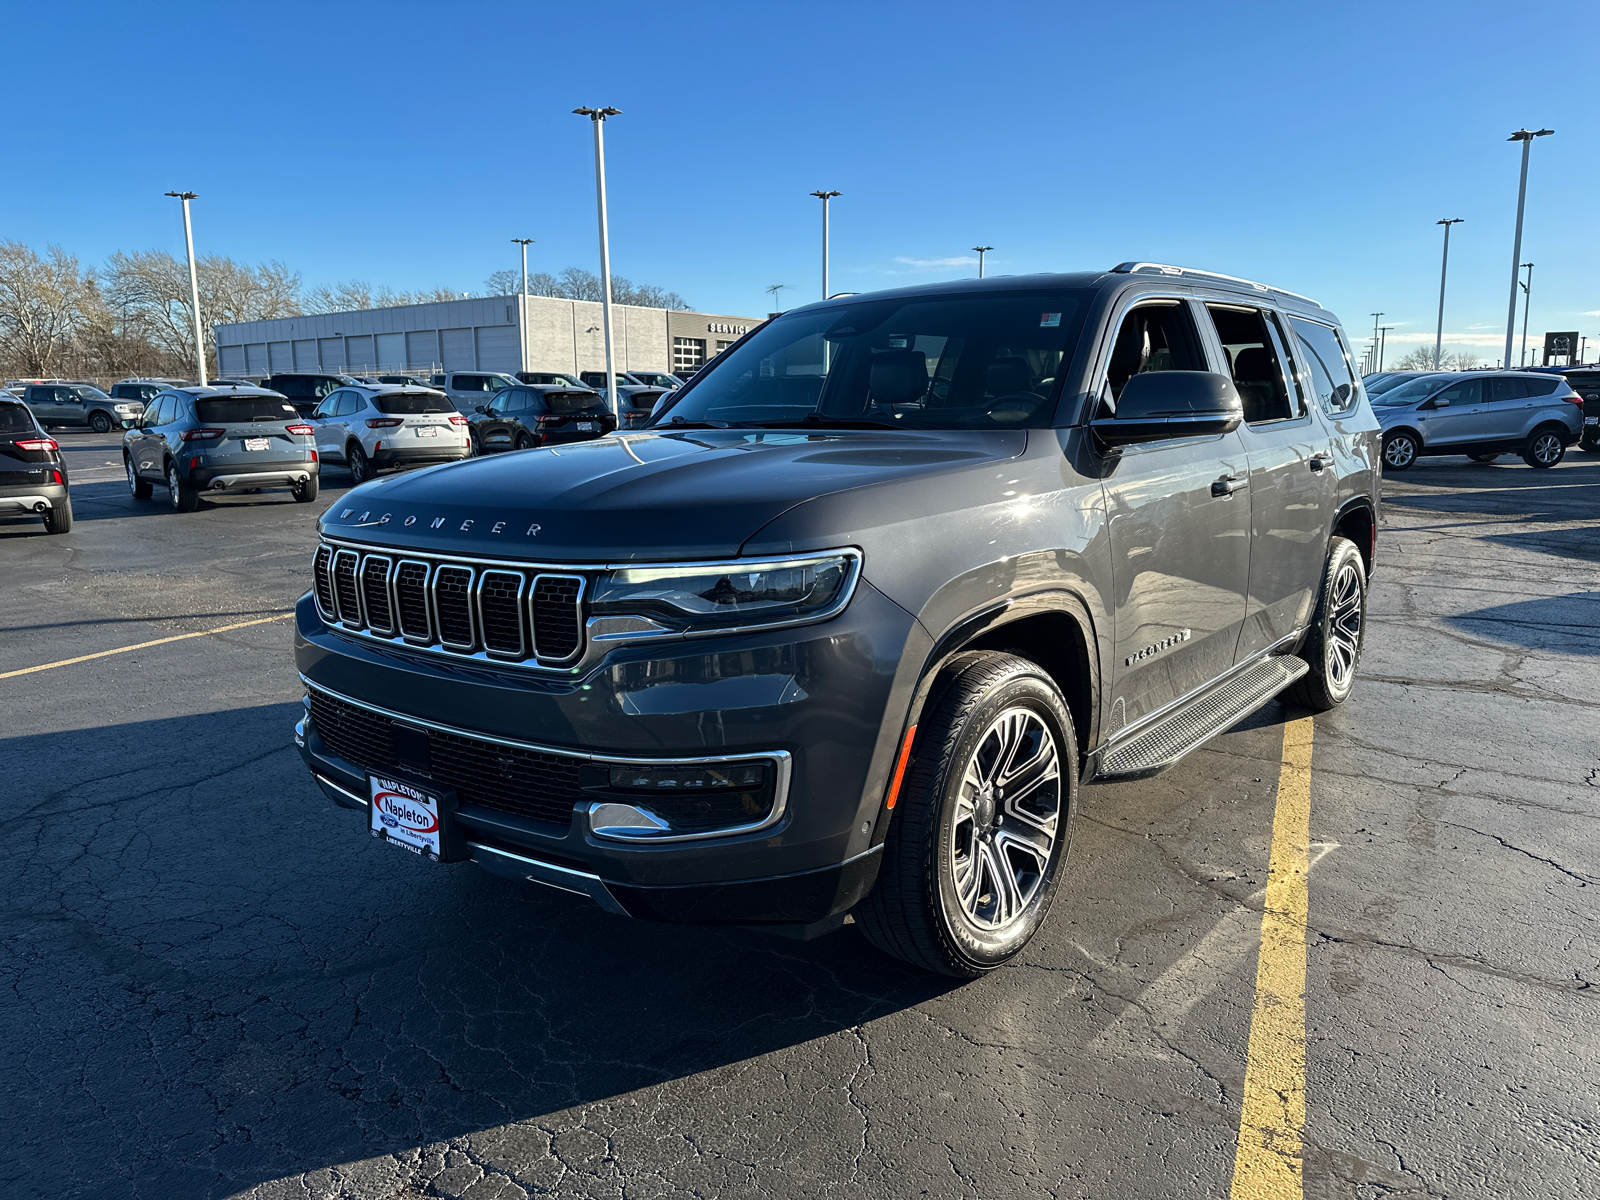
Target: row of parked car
(1537, 414)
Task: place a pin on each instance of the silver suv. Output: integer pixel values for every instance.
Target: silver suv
(469, 390)
(1482, 414)
(388, 425)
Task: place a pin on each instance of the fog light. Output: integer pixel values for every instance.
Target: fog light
(688, 779)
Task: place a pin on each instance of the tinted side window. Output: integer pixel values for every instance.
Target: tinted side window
(1253, 359)
(1331, 377)
(1158, 336)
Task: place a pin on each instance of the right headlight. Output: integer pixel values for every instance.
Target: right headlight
(717, 597)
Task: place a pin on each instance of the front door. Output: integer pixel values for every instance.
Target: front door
(330, 429)
(1455, 417)
(1293, 480)
(1179, 521)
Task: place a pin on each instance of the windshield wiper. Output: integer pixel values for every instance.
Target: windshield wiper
(819, 421)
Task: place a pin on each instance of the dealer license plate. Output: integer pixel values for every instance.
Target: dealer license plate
(258, 443)
(1591, 420)
(588, 426)
(404, 815)
(427, 431)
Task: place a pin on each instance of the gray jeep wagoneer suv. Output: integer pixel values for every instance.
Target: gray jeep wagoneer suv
(848, 626)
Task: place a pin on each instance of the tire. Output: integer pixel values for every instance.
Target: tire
(524, 441)
(59, 518)
(184, 495)
(99, 422)
(1545, 447)
(952, 831)
(473, 449)
(1400, 451)
(138, 488)
(306, 492)
(356, 459)
(1590, 446)
(1338, 631)
(1483, 458)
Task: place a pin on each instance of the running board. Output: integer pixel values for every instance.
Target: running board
(1169, 739)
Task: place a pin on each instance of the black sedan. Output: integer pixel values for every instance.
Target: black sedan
(520, 418)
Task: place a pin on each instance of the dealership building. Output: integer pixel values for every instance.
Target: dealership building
(497, 333)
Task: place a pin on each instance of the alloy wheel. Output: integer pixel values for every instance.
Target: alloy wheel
(1547, 448)
(1005, 821)
(1345, 606)
(172, 484)
(1399, 452)
(133, 476)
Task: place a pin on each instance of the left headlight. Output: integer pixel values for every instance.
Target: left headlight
(123, 408)
(716, 597)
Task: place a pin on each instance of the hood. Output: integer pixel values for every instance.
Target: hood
(641, 496)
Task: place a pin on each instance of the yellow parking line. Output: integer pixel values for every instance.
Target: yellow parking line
(67, 662)
(1269, 1163)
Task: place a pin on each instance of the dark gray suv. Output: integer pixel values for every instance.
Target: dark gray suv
(848, 626)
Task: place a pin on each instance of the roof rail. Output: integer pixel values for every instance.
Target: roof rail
(1131, 268)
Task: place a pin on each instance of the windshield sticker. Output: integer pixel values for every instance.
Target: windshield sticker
(1049, 320)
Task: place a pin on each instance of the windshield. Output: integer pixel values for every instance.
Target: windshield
(403, 404)
(89, 393)
(1410, 391)
(235, 410)
(984, 361)
(498, 383)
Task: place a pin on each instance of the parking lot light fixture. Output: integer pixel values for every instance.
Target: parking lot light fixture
(825, 197)
(194, 284)
(982, 250)
(1527, 295)
(524, 243)
(1525, 136)
(597, 118)
(1444, 266)
(1383, 343)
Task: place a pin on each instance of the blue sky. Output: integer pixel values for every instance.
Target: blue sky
(1311, 146)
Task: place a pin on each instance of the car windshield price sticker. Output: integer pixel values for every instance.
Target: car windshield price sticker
(1049, 320)
(258, 443)
(405, 815)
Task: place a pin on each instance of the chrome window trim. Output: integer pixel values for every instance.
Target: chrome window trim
(533, 626)
(425, 641)
(388, 587)
(522, 615)
(782, 760)
(355, 577)
(471, 644)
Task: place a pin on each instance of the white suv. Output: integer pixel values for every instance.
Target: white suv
(388, 425)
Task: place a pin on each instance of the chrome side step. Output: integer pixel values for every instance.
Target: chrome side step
(1164, 743)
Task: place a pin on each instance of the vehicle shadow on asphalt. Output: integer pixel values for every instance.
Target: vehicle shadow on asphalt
(251, 987)
(1569, 624)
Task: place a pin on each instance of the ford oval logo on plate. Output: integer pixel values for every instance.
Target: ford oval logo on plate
(405, 815)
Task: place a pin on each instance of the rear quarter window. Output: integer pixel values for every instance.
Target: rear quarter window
(238, 410)
(15, 419)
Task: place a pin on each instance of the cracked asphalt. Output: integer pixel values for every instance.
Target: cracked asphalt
(214, 984)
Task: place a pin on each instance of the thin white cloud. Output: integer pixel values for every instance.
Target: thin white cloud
(934, 264)
(1593, 312)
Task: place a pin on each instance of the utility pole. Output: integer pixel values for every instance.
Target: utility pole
(982, 250)
(1527, 295)
(194, 283)
(824, 197)
(1375, 318)
(597, 117)
(1525, 136)
(1383, 343)
(1444, 267)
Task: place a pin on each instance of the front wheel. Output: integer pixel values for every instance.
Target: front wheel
(138, 488)
(1590, 445)
(980, 827)
(1545, 447)
(1338, 631)
(1400, 450)
(99, 422)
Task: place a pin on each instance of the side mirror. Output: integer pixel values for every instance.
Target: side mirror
(1437, 404)
(1159, 405)
(480, 408)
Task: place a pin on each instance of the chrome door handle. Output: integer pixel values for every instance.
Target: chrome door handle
(1228, 485)
(1321, 462)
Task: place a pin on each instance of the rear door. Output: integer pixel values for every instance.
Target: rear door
(1292, 482)
(1508, 404)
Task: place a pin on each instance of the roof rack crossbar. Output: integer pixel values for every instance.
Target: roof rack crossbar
(1130, 268)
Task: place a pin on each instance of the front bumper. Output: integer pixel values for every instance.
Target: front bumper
(826, 696)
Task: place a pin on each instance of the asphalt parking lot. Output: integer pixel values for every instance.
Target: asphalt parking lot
(215, 984)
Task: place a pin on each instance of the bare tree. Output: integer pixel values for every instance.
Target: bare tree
(47, 303)
(503, 283)
(354, 295)
(1421, 359)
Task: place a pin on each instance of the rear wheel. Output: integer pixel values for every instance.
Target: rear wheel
(100, 422)
(1545, 447)
(1590, 445)
(185, 496)
(980, 826)
(356, 459)
(1338, 631)
(306, 492)
(1400, 450)
(524, 441)
(1483, 458)
(59, 518)
(138, 488)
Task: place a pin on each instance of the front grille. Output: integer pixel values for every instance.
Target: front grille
(508, 779)
(512, 614)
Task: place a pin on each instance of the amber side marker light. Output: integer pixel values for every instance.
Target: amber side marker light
(900, 767)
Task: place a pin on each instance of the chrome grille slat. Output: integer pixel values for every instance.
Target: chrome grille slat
(411, 601)
(322, 570)
(556, 611)
(500, 613)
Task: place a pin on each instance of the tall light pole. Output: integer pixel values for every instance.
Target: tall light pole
(524, 243)
(825, 197)
(194, 282)
(1527, 295)
(597, 118)
(982, 250)
(1375, 318)
(1383, 343)
(1525, 136)
(1444, 266)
